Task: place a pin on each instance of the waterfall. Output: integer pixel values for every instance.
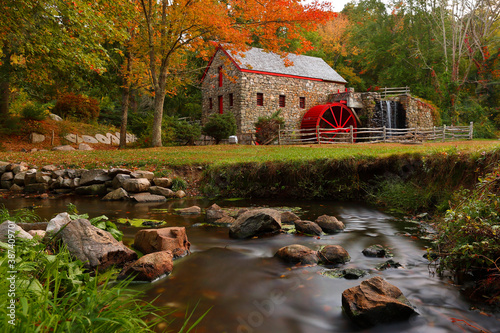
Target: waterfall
(388, 115)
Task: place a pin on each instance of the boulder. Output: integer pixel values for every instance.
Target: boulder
(95, 176)
(288, 217)
(119, 179)
(163, 182)
(308, 228)
(37, 233)
(55, 224)
(375, 251)
(193, 210)
(143, 174)
(225, 220)
(96, 189)
(43, 177)
(214, 213)
(95, 247)
(50, 168)
(376, 301)
(180, 194)
(147, 197)
(6, 184)
(172, 239)
(118, 171)
(149, 267)
(36, 188)
(55, 117)
(256, 222)
(158, 190)
(16, 188)
(297, 254)
(16, 168)
(136, 185)
(84, 146)
(30, 177)
(63, 148)
(7, 176)
(11, 228)
(19, 178)
(3, 166)
(347, 273)
(330, 224)
(118, 194)
(333, 254)
(37, 137)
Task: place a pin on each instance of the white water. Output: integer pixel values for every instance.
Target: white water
(388, 108)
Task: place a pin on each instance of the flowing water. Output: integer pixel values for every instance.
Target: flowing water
(248, 290)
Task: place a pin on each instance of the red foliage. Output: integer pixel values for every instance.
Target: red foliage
(77, 106)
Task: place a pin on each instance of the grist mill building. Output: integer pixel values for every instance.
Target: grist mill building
(257, 83)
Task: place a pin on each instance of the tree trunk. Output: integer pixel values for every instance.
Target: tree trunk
(5, 70)
(158, 117)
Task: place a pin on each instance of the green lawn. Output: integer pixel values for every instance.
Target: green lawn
(162, 158)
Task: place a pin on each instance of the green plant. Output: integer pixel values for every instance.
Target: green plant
(186, 133)
(35, 111)
(102, 222)
(220, 126)
(77, 106)
(178, 184)
(10, 125)
(266, 128)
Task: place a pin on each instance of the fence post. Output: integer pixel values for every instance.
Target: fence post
(279, 134)
(52, 139)
(434, 133)
(317, 134)
(471, 130)
(444, 132)
(352, 133)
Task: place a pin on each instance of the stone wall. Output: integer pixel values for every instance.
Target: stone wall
(245, 86)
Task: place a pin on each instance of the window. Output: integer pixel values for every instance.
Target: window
(282, 101)
(221, 105)
(210, 104)
(302, 102)
(220, 76)
(260, 99)
(231, 101)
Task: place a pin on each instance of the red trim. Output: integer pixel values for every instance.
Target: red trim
(221, 105)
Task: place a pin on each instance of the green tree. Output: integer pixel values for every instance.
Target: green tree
(220, 126)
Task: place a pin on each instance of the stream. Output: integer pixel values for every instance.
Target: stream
(248, 290)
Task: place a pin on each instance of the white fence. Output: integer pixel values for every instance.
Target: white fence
(382, 134)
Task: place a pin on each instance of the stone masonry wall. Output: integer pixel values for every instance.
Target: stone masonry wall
(245, 86)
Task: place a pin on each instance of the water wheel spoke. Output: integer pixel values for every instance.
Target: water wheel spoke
(329, 123)
(334, 118)
(350, 116)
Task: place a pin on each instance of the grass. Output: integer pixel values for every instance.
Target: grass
(157, 159)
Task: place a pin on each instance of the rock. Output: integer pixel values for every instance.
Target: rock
(11, 228)
(84, 146)
(19, 178)
(330, 224)
(95, 176)
(155, 240)
(51, 168)
(55, 117)
(149, 267)
(36, 188)
(376, 301)
(118, 171)
(158, 190)
(118, 194)
(56, 224)
(143, 174)
(225, 220)
(96, 189)
(375, 251)
(297, 254)
(89, 139)
(28, 226)
(288, 217)
(193, 210)
(136, 185)
(7, 176)
(213, 213)
(102, 139)
(308, 227)
(180, 194)
(30, 177)
(256, 222)
(37, 137)
(333, 254)
(6, 184)
(119, 179)
(37, 233)
(95, 247)
(147, 197)
(16, 188)
(163, 182)
(16, 168)
(348, 273)
(242, 211)
(388, 264)
(63, 148)
(3, 166)
(43, 177)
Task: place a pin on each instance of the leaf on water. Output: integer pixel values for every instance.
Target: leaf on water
(140, 223)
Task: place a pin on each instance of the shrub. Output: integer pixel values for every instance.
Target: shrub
(220, 126)
(178, 184)
(77, 106)
(266, 128)
(35, 111)
(186, 133)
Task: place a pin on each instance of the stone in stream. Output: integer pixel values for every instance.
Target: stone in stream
(193, 210)
(118, 194)
(158, 190)
(308, 228)
(376, 250)
(256, 222)
(147, 197)
(297, 254)
(149, 267)
(333, 254)
(330, 224)
(155, 240)
(288, 217)
(214, 213)
(375, 301)
(136, 185)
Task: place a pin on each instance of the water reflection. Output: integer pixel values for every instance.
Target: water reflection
(248, 290)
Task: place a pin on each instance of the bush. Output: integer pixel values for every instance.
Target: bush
(220, 126)
(186, 133)
(266, 128)
(77, 106)
(178, 184)
(35, 111)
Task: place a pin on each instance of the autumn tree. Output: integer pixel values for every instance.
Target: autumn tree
(172, 28)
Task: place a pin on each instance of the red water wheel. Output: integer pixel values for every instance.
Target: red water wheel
(330, 122)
